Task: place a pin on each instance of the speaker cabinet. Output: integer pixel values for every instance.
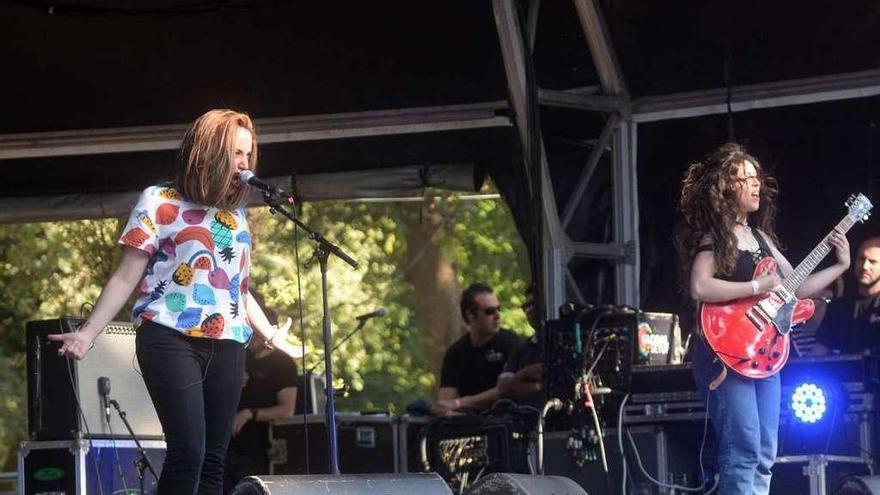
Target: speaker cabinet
(524, 484)
(54, 384)
(669, 453)
(83, 467)
(344, 484)
(367, 444)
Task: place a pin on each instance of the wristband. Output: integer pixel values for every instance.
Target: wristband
(755, 286)
(268, 342)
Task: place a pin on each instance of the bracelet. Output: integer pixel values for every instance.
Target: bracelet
(755, 286)
(268, 342)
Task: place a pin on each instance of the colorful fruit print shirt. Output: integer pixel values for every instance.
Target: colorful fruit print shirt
(197, 276)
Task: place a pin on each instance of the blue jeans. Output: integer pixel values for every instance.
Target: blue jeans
(195, 384)
(745, 416)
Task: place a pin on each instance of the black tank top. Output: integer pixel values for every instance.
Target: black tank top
(746, 262)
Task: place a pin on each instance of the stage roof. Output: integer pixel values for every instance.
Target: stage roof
(98, 91)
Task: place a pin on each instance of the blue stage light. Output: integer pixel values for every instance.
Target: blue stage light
(809, 402)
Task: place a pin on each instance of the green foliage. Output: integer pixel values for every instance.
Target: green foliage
(46, 270)
(386, 365)
(52, 269)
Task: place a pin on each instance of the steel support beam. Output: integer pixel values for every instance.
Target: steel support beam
(589, 168)
(626, 214)
(273, 130)
(567, 99)
(553, 237)
(604, 58)
(532, 23)
(766, 95)
(596, 250)
(572, 285)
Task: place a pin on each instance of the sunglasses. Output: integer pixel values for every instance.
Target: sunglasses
(490, 311)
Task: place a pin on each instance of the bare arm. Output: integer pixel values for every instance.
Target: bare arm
(447, 393)
(706, 287)
(113, 296)
(523, 384)
(286, 400)
(448, 400)
(259, 323)
(483, 399)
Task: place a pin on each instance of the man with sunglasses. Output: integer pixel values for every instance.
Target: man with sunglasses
(472, 364)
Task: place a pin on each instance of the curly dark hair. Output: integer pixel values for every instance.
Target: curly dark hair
(707, 208)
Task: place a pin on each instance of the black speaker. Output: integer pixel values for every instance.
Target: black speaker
(367, 444)
(344, 484)
(55, 382)
(669, 453)
(524, 484)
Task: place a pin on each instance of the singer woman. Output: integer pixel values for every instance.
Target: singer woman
(187, 249)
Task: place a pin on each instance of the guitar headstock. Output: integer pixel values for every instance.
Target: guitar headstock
(859, 207)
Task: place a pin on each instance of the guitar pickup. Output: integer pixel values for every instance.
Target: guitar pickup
(768, 308)
(755, 320)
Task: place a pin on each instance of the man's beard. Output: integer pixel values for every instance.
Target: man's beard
(871, 286)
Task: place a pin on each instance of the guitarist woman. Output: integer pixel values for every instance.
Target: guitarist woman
(727, 209)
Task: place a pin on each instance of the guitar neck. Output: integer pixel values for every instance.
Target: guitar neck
(806, 267)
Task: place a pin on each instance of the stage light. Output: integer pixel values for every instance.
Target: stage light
(809, 403)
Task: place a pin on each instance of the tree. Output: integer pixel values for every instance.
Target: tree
(414, 258)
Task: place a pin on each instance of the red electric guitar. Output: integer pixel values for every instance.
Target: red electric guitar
(750, 335)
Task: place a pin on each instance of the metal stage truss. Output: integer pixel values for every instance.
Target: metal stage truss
(614, 147)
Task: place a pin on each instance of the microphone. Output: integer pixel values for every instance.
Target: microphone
(366, 316)
(248, 177)
(104, 391)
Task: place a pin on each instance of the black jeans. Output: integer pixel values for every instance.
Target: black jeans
(195, 384)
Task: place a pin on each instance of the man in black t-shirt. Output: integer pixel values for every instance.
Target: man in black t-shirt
(522, 378)
(268, 392)
(852, 325)
(472, 364)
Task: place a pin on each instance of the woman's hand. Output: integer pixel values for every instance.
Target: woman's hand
(73, 345)
(839, 242)
(767, 281)
(279, 341)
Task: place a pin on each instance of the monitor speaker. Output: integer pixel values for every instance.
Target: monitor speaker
(524, 484)
(55, 383)
(344, 484)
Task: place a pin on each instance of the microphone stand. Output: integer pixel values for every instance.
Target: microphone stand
(143, 463)
(323, 250)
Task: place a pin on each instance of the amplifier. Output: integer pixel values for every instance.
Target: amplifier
(55, 383)
(668, 453)
(81, 467)
(367, 444)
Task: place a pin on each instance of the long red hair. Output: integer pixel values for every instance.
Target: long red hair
(204, 166)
